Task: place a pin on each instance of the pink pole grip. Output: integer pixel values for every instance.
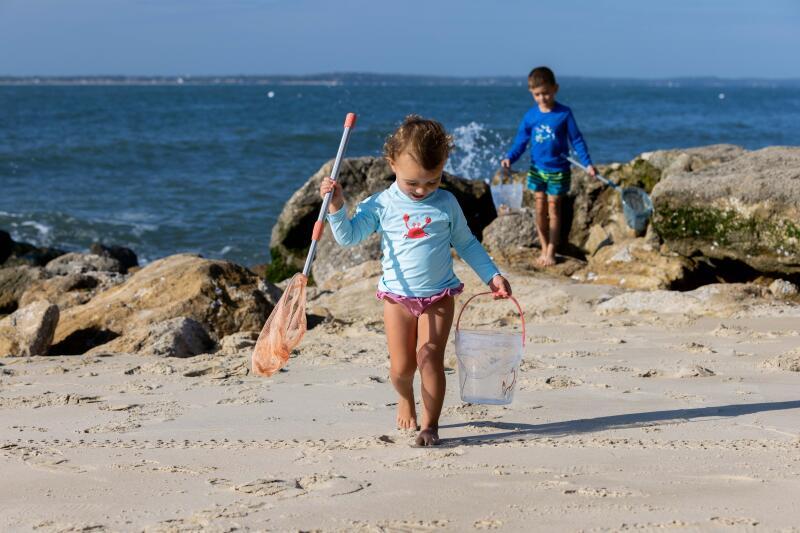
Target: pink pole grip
(350, 120)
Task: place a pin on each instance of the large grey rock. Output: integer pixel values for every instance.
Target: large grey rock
(78, 263)
(14, 282)
(517, 228)
(29, 330)
(691, 159)
(176, 337)
(360, 178)
(746, 209)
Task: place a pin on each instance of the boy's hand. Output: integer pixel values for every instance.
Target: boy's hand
(506, 164)
(500, 287)
(591, 171)
(337, 201)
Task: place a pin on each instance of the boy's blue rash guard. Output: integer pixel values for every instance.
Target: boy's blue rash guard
(415, 239)
(549, 133)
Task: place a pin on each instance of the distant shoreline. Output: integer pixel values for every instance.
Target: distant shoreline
(373, 80)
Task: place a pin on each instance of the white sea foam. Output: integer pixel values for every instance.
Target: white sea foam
(43, 229)
(477, 153)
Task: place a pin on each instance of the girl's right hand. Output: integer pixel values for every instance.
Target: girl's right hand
(337, 201)
(506, 164)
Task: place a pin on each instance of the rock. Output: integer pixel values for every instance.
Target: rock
(598, 237)
(720, 300)
(176, 337)
(333, 259)
(6, 245)
(780, 288)
(222, 296)
(243, 341)
(691, 159)
(29, 330)
(70, 290)
(513, 230)
(22, 253)
(78, 263)
(14, 282)
(349, 276)
(125, 256)
(590, 203)
(636, 264)
(513, 244)
(789, 361)
(745, 210)
(360, 178)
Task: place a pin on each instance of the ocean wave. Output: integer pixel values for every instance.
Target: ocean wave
(477, 153)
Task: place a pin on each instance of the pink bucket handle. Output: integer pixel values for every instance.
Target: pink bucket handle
(521, 314)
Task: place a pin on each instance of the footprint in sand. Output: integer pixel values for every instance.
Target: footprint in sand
(40, 458)
(695, 371)
(323, 485)
(560, 382)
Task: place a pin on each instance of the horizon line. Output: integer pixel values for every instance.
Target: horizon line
(334, 74)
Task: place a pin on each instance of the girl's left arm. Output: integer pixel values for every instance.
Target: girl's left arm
(468, 247)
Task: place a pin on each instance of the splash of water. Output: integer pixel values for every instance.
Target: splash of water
(478, 151)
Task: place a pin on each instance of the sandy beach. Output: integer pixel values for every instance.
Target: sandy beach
(621, 420)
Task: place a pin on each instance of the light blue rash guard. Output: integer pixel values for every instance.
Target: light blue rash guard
(550, 135)
(415, 238)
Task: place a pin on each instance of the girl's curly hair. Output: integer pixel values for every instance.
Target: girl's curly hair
(423, 139)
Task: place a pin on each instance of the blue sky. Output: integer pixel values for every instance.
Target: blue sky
(618, 38)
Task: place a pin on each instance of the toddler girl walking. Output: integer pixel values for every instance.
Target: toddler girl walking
(418, 224)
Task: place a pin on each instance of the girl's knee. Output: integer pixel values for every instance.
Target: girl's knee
(403, 371)
(430, 355)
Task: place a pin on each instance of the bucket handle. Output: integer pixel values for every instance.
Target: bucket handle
(521, 314)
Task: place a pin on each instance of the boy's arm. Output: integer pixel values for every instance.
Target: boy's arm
(349, 232)
(468, 247)
(576, 139)
(520, 141)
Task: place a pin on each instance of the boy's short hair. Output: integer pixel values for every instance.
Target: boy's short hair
(424, 139)
(541, 76)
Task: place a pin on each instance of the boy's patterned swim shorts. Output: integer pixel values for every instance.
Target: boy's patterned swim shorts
(553, 183)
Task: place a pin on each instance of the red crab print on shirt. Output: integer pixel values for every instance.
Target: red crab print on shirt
(415, 230)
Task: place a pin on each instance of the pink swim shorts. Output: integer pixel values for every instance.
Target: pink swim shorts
(416, 305)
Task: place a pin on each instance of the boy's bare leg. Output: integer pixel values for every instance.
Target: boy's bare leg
(401, 338)
(433, 326)
(542, 225)
(554, 214)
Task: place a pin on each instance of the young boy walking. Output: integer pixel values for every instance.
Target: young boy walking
(552, 128)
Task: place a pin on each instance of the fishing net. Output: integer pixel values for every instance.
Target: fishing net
(637, 207)
(284, 329)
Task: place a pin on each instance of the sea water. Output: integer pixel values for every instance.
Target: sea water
(207, 168)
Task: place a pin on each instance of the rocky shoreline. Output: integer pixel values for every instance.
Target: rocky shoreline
(722, 215)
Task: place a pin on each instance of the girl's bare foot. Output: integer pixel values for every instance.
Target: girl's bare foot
(406, 414)
(428, 437)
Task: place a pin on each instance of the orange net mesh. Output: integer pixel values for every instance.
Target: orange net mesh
(284, 329)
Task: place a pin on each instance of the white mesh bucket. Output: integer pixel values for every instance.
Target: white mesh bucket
(488, 361)
(507, 194)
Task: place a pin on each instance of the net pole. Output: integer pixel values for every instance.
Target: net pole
(349, 124)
